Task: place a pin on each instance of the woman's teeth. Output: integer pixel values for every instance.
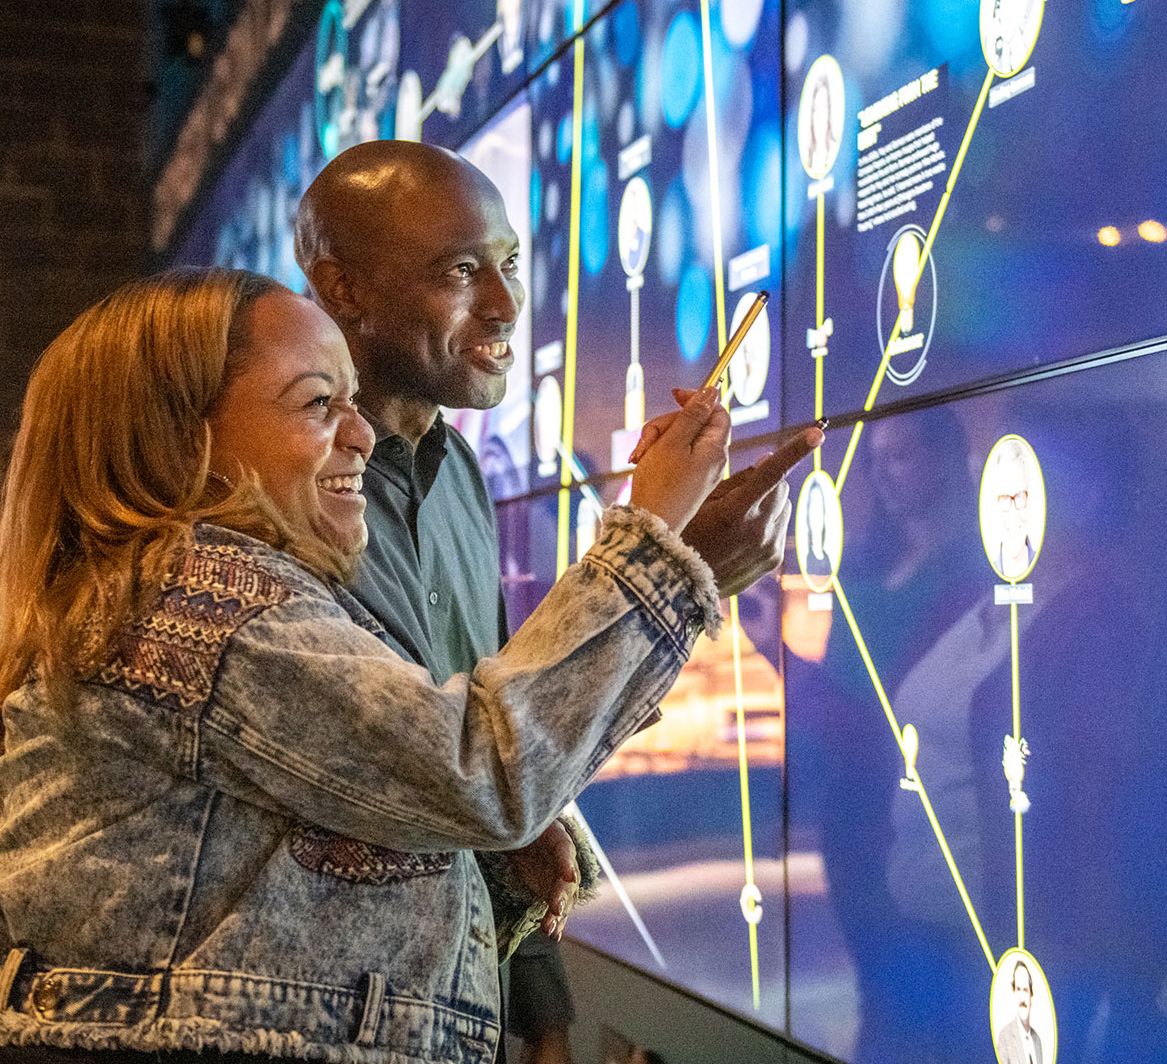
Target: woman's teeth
(342, 485)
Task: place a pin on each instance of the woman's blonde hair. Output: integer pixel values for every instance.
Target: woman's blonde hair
(110, 468)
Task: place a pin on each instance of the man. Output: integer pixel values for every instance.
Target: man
(1015, 33)
(1017, 1041)
(1015, 555)
(408, 248)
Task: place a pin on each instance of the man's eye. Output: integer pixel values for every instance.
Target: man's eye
(511, 266)
(463, 270)
(324, 401)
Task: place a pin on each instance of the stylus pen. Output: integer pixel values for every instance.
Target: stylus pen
(739, 334)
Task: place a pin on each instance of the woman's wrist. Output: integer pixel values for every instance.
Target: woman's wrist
(664, 570)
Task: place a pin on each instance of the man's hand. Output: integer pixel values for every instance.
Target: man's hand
(547, 868)
(740, 529)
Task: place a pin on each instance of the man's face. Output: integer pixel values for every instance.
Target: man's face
(440, 295)
(1023, 994)
(905, 473)
(1013, 503)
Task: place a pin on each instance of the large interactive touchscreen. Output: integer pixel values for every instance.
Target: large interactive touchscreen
(971, 189)
(656, 202)
(975, 683)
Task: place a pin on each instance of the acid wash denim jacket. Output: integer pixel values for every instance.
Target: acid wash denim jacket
(252, 829)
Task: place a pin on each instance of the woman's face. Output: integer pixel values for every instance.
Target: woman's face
(291, 417)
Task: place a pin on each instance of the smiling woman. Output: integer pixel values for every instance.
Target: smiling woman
(290, 416)
(234, 823)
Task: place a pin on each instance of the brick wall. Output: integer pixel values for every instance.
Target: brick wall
(74, 198)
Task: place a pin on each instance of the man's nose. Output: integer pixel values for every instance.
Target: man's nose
(501, 298)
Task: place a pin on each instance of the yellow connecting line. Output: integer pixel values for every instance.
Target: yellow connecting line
(719, 301)
(567, 474)
(885, 361)
(819, 312)
(563, 545)
(1016, 684)
(885, 702)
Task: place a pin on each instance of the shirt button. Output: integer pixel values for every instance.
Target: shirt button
(433, 598)
(690, 628)
(47, 995)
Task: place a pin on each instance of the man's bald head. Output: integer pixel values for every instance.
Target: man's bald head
(360, 200)
(409, 249)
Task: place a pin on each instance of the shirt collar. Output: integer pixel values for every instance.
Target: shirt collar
(392, 454)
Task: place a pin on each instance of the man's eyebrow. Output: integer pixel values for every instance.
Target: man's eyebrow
(319, 373)
(482, 249)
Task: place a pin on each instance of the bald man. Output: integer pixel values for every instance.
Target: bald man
(408, 248)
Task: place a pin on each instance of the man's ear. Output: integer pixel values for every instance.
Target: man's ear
(334, 288)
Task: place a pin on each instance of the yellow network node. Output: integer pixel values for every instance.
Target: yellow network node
(1012, 508)
(1023, 1021)
(818, 531)
(925, 253)
(1009, 32)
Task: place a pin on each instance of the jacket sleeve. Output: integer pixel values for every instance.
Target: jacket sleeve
(329, 725)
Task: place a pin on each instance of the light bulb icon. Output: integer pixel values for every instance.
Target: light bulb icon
(905, 272)
(911, 746)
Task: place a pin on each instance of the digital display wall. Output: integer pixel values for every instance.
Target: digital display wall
(910, 806)
(1007, 139)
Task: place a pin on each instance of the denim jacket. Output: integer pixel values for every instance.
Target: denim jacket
(252, 829)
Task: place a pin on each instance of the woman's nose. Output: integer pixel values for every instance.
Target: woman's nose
(356, 434)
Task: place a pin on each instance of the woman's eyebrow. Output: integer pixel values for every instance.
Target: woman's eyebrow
(326, 377)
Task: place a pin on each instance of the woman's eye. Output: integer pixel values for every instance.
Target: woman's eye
(324, 401)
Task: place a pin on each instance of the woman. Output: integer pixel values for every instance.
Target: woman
(230, 823)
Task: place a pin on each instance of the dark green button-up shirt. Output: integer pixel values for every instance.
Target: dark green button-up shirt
(430, 571)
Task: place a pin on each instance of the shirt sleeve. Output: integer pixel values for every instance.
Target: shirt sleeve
(329, 725)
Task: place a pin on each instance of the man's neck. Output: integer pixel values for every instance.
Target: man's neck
(397, 415)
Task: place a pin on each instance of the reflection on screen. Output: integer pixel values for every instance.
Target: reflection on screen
(969, 737)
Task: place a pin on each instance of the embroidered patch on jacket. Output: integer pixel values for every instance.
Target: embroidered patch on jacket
(360, 862)
(173, 653)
